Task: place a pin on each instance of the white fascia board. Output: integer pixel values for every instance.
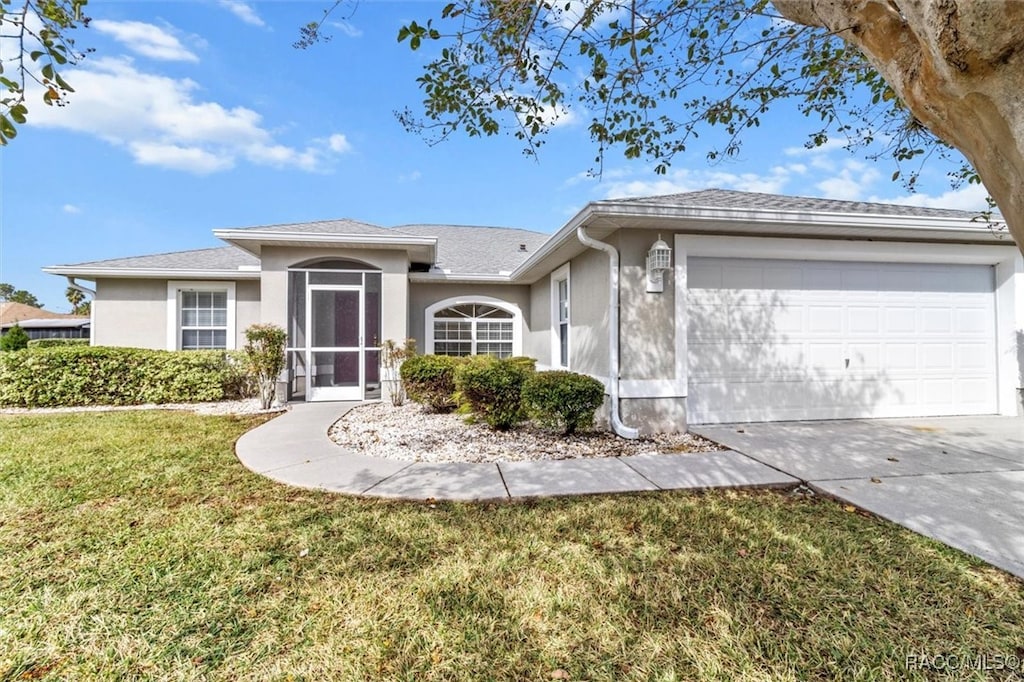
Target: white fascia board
(788, 217)
(458, 277)
(236, 236)
(148, 273)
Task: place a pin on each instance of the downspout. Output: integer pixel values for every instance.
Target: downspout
(618, 427)
(92, 309)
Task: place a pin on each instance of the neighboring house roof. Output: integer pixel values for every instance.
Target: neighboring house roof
(66, 322)
(725, 198)
(479, 250)
(11, 312)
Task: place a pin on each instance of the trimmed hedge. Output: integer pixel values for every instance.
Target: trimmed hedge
(100, 375)
(430, 380)
(561, 399)
(55, 343)
(492, 388)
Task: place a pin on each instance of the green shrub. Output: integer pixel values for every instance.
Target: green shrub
(16, 338)
(430, 380)
(54, 343)
(264, 353)
(562, 399)
(100, 375)
(492, 388)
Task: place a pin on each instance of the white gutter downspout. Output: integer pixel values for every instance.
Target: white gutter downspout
(618, 427)
(92, 309)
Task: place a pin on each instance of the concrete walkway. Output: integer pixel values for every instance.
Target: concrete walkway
(959, 480)
(294, 449)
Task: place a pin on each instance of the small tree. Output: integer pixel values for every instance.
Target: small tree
(392, 356)
(264, 350)
(16, 338)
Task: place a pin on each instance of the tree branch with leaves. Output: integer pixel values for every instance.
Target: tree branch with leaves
(904, 80)
(35, 46)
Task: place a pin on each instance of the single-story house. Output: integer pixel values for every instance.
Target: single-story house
(42, 324)
(709, 306)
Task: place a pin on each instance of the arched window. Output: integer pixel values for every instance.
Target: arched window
(473, 328)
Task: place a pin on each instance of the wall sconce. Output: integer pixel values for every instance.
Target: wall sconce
(659, 259)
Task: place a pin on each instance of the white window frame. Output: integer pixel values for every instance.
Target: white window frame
(561, 275)
(174, 289)
(517, 319)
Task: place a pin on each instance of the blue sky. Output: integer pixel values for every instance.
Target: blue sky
(200, 114)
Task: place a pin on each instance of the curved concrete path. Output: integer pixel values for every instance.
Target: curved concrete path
(294, 449)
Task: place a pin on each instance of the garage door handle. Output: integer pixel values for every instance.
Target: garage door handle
(847, 363)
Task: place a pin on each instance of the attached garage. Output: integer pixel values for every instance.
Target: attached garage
(846, 331)
(784, 339)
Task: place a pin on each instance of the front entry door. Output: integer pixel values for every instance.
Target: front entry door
(335, 353)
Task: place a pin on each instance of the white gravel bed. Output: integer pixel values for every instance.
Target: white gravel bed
(410, 433)
(247, 406)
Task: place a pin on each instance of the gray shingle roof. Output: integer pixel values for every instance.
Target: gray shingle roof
(726, 198)
(479, 250)
(219, 258)
(341, 226)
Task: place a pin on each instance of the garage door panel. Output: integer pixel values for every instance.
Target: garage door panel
(838, 340)
(864, 320)
(899, 319)
(936, 320)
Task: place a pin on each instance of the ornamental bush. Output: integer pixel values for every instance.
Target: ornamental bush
(264, 353)
(430, 380)
(563, 399)
(492, 389)
(54, 343)
(100, 375)
(16, 338)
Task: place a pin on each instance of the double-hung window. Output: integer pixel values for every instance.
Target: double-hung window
(204, 320)
(200, 315)
(560, 317)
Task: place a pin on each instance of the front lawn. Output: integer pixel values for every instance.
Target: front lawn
(133, 545)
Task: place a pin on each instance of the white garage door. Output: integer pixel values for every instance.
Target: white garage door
(775, 340)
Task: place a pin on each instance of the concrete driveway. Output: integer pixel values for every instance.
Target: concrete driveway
(959, 480)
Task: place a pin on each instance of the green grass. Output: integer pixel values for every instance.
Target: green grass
(133, 545)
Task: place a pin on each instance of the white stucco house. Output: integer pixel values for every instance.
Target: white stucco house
(710, 306)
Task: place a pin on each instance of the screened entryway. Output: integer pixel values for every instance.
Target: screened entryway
(334, 309)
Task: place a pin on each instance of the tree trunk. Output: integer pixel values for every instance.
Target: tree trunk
(958, 65)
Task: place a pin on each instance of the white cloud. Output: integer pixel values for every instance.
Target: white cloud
(145, 39)
(965, 198)
(243, 11)
(71, 208)
(348, 29)
(568, 14)
(339, 144)
(850, 183)
(688, 180)
(410, 177)
(176, 157)
(160, 122)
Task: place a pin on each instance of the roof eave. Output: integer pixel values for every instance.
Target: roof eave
(253, 241)
(147, 273)
(458, 277)
(605, 217)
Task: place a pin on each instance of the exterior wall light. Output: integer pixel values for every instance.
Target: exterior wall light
(659, 259)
